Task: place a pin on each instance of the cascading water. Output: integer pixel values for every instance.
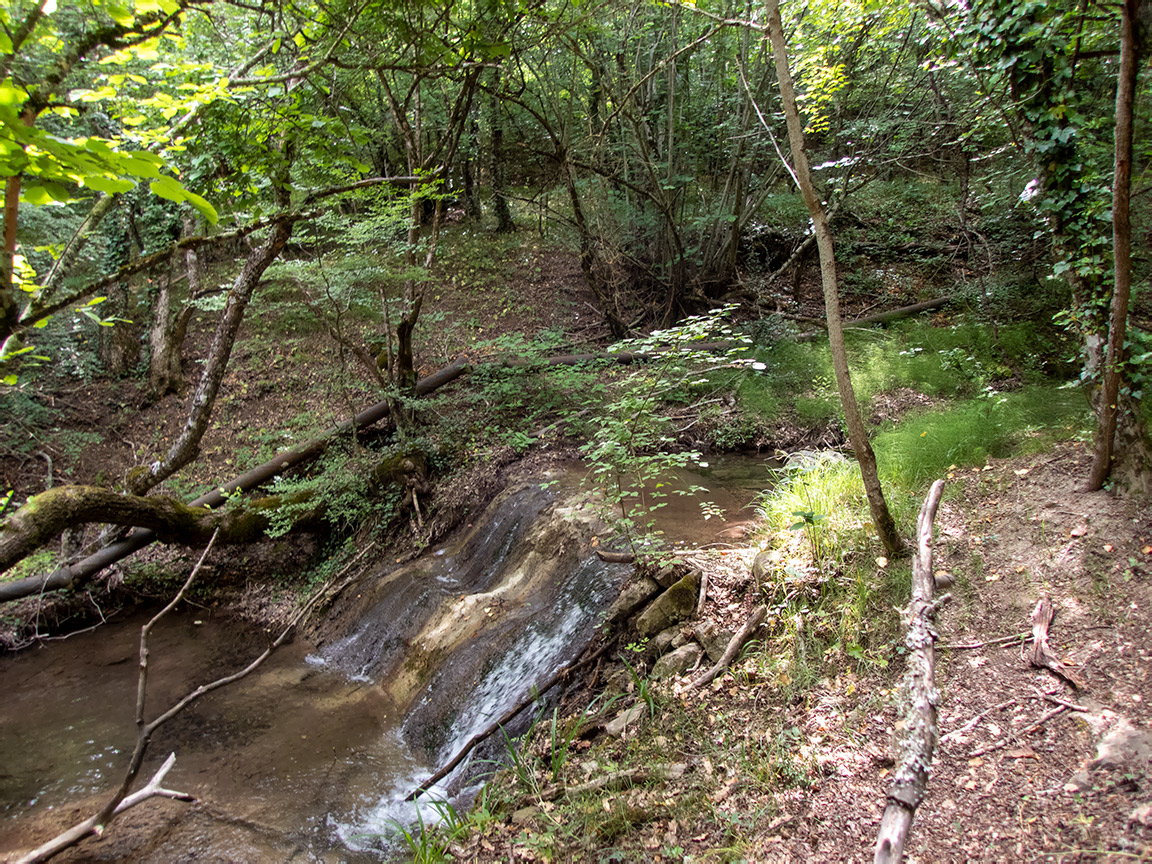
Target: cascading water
(480, 623)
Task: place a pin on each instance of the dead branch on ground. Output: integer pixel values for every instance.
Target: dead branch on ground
(1008, 739)
(1003, 640)
(916, 740)
(734, 646)
(616, 780)
(971, 724)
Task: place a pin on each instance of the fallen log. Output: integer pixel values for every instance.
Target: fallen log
(880, 317)
(917, 733)
(86, 568)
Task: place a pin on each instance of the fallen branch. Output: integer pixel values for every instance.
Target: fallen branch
(1056, 700)
(971, 724)
(617, 780)
(1042, 655)
(1004, 742)
(122, 800)
(703, 594)
(615, 557)
(76, 833)
(536, 693)
(916, 740)
(1003, 640)
(734, 646)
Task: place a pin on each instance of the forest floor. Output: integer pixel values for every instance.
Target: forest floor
(773, 768)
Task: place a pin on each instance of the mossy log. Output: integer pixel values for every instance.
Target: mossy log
(45, 515)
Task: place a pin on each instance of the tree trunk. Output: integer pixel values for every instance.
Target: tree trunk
(857, 434)
(166, 373)
(604, 299)
(504, 221)
(1109, 404)
(187, 446)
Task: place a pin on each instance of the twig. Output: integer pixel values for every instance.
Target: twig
(1003, 640)
(734, 646)
(1004, 742)
(121, 800)
(616, 780)
(971, 724)
(1056, 700)
(506, 718)
(703, 594)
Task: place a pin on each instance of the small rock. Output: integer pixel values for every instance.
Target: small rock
(662, 641)
(678, 662)
(714, 638)
(1080, 782)
(620, 682)
(666, 576)
(631, 596)
(762, 564)
(626, 720)
(1142, 815)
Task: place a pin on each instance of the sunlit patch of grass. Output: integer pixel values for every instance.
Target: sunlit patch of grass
(996, 425)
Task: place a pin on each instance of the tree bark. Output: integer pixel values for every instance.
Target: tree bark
(857, 434)
(918, 733)
(165, 374)
(1109, 403)
(504, 221)
(187, 446)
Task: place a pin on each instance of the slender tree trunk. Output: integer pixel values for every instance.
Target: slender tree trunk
(504, 221)
(857, 434)
(101, 208)
(166, 373)
(9, 309)
(187, 446)
(1109, 406)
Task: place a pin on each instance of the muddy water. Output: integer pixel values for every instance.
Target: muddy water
(308, 758)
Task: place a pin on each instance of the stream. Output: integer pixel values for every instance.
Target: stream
(310, 757)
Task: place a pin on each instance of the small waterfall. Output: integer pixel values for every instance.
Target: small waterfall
(461, 636)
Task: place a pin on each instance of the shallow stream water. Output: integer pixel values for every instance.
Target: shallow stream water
(309, 758)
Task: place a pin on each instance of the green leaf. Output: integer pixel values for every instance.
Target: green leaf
(111, 185)
(11, 380)
(45, 192)
(42, 323)
(202, 207)
(167, 187)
